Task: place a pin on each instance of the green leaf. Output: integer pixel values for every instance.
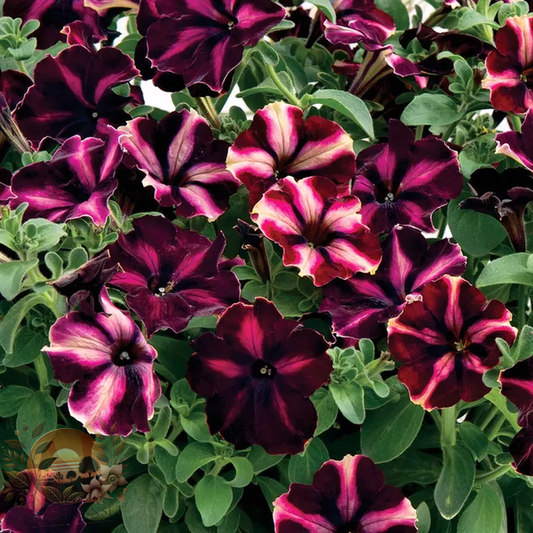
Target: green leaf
(195, 425)
(262, 460)
(483, 515)
(269, 55)
(397, 10)
(162, 425)
(349, 105)
(28, 346)
(455, 481)
(474, 439)
(213, 497)
(412, 466)
(303, 466)
(48, 234)
(103, 510)
(76, 258)
(477, 233)
(194, 456)
(509, 269)
(326, 7)
(12, 398)
(11, 322)
(500, 402)
(37, 409)
(244, 472)
(11, 275)
(143, 507)
(230, 523)
(326, 409)
(271, 489)
(54, 263)
(350, 399)
(391, 429)
(167, 463)
(431, 110)
(423, 518)
(171, 503)
(523, 348)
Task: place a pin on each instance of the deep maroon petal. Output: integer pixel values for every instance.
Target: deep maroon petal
(521, 448)
(517, 386)
(519, 146)
(14, 85)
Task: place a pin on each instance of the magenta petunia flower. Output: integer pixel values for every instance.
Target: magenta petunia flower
(447, 341)
(510, 67)
(171, 275)
(257, 373)
(345, 496)
(53, 16)
(519, 146)
(56, 518)
(504, 196)
(204, 40)
(280, 143)
(183, 162)
(404, 181)
(362, 305)
(73, 94)
(111, 365)
(77, 182)
(359, 21)
(320, 234)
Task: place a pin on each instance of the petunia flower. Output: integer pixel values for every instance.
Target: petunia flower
(56, 518)
(85, 283)
(446, 341)
(361, 306)
(5, 186)
(204, 40)
(171, 275)
(405, 181)
(504, 196)
(517, 386)
(320, 234)
(77, 182)
(73, 94)
(257, 372)
(14, 85)
(510, 67)
(102, 6)
(517, 145)
(182, 161)
(359, 21)
(53, 16)
(521, 448)
(279, 143)
(347, 495)
(111, 365)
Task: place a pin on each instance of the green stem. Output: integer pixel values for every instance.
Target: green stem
(448, 434)
(516, 123)
(488, 417)
(42, 373)
(176, 429)
(522, 301)
(419, 132)
(443, 224)
(293, 99)
(494, 474)
(437, 419)
(448, 133)
(22, 68)
(208, 111)
(496, 426)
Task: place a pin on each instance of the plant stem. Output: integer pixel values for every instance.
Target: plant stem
(494, 474)
(489, 416)
(496, 426)
(437, 419)
(516, 123)
(42, 373)
(522, 301)
(208, 111)
(447, 434)
(443, 224)
(293, 99)
(419, 132)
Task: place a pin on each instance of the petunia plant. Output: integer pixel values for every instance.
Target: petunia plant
(266, 266)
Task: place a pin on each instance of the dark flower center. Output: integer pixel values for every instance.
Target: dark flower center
(123, 358)
(527, 75)
(262, 369)
(159, 289)
(459, 346)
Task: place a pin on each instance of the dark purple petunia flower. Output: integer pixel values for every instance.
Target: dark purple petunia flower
(257, 372)
(182, 161)
(504, 196)
(56, 518)
(111, 363)
(521, 448)
(404, 181)
(85, 283)
(73, 94)
(517, 386)
(362, 305)
(5, 186)
(519, 146)
(204, 40)
(346, 496)
(53, 16)
(280, 143)
(14, 85)
(359, 21)
(510, 67)
(77, 182)
(171, 275)
(446, 341)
